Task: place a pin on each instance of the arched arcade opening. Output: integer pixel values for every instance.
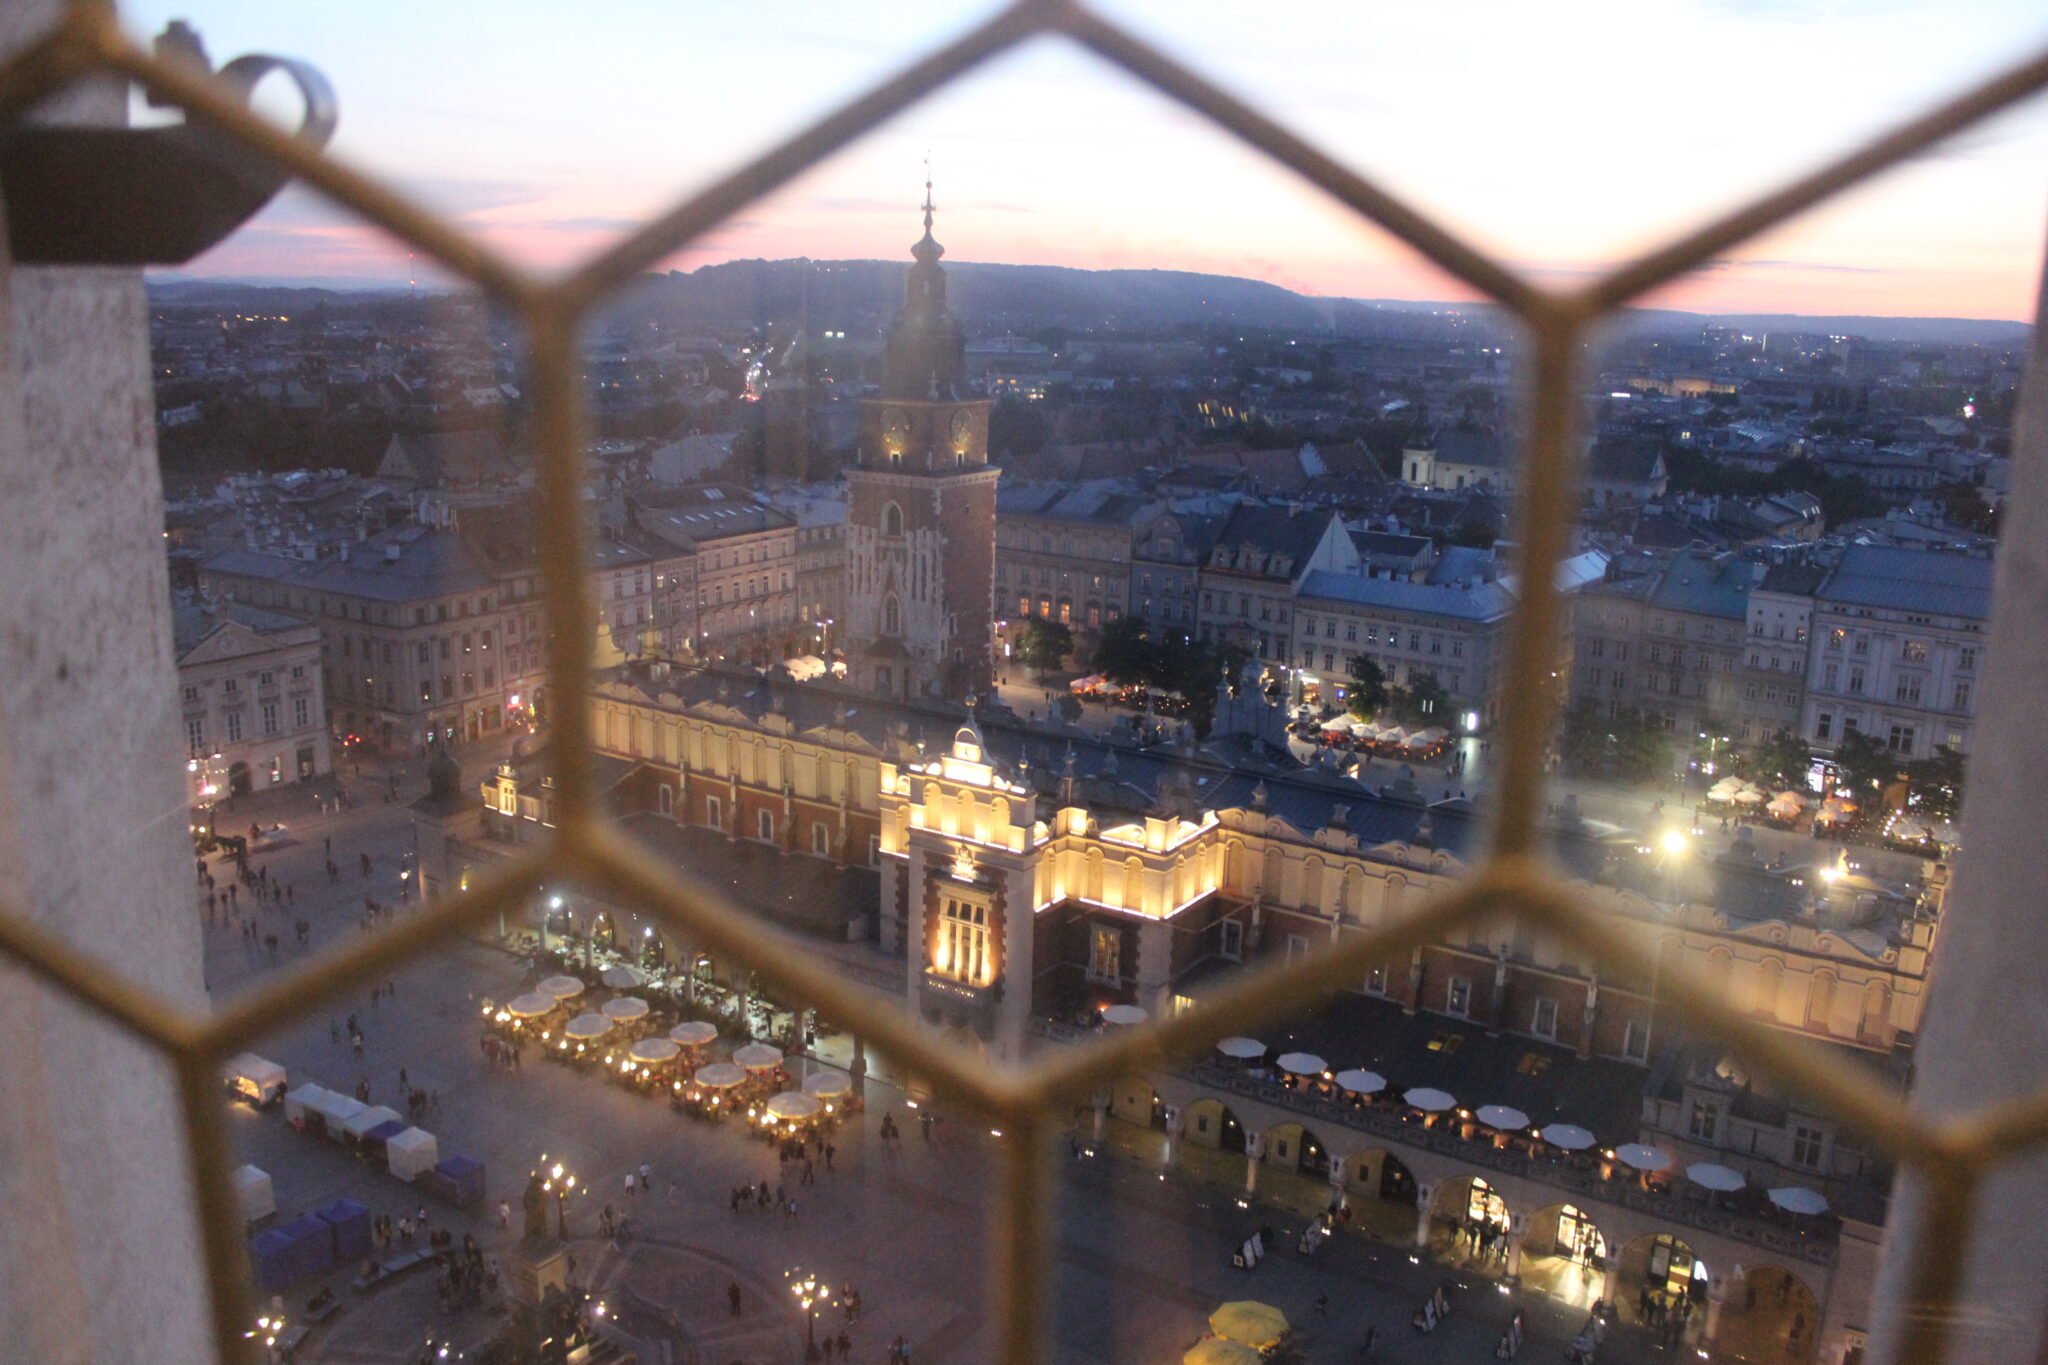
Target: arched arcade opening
(1565, 1255)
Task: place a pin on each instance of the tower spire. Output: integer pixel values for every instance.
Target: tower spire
(928, 194)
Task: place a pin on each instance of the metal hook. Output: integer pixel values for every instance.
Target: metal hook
(148, 196)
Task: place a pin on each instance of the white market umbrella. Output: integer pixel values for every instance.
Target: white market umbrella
(1568, 1137)
(795, 1104)
(693, 1033)
(1709, 1175)
(1910, 829)
(531, 1005)
(1241, 1048)
(757, 1057)
(585, 1027)
(1301, 1063)
(625, 1009)
(1124, 1015)
(1430, 1100)
(1789, 798)
(653, 1051)
(1749, 796)
(624, 978)
(1725, 788)
(1502, 1116)
(561, 987)
(1799, 1199)
(1643, 1157)
(828, 1085)
(1361, 1082)
(720, 1076)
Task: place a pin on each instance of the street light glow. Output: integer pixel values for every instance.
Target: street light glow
(1675, 842)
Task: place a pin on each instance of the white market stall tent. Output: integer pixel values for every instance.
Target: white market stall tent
(254, 1078)
(411, 1152)
(253, 1193)
(359, 1126)
(298, 1102)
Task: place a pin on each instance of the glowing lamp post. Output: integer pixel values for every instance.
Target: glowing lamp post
(811, 1295)
(560, 1184)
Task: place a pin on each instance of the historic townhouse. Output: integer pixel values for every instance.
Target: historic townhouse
(1897, 649)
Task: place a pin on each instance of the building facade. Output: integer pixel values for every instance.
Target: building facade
(249, 686)
(422, 640)
(1896, 650)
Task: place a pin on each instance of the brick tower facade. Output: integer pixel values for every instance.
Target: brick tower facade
(921, 516)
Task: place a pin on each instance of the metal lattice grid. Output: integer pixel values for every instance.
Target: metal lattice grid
(1951, 1156)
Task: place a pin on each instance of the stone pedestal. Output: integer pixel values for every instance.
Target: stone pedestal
(538, 1270)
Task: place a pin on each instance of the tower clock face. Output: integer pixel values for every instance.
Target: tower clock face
(963, 431)
(896, 427)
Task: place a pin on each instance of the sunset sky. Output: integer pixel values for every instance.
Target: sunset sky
(1562, 137)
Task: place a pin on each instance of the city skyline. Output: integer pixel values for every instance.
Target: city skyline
(550, 142)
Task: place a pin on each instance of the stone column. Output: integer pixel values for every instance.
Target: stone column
(1710, 1327)
(1099, 1101)
(857, 1069)
(1176, 1124)
(1984, 1039)
(100, 1258)
(1254, 1153)
(1336, 1185)
(1422, 1194)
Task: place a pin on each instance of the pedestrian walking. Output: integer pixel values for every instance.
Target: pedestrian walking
(671, 1194)
(504, 1215)
(631, 1181)
(732, 1290)
(845, 1344)
(646, 1180)
(1322, 1305)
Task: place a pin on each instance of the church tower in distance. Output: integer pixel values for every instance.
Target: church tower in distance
(921, 514)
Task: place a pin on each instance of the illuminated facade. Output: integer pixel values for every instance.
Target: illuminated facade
(921, 513)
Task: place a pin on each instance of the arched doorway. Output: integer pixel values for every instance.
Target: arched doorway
(238, 778)
(653, 950)
(1132, 1100)
(1769, 1314)
(603, 934)
(1661, 1284)
(1565, 1256)
(1468, 1222)
(1291, 1147)
(1210, 1124)
(1379, 1195)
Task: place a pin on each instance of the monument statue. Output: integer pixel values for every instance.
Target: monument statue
(535, 1201)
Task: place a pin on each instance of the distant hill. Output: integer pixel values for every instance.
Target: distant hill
(860, 297)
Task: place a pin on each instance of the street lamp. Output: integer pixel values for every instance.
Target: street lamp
(811, 1295)
(560, 1184)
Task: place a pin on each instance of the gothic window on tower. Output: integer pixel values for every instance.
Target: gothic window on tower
(962, 949)
(1105, 953)
(892, 617)
(892, 520)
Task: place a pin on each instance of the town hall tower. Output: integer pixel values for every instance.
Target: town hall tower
(921, 515)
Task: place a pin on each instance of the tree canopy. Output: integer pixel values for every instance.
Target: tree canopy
(1043, 645)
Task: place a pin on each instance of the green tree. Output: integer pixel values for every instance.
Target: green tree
(1129, 655)
(1781, 762)
(1422, 702)
(1865, 765)
(1934, 786)
(1368, 689)
(1626, 748)
(1042, 645)
(1069, 707)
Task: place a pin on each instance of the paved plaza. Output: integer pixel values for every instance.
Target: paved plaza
(1141, 1258)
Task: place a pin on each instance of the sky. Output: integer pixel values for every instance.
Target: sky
(1563, 137)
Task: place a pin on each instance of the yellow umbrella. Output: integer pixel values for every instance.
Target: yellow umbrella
(1221, 1351)
(1253, 1323)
